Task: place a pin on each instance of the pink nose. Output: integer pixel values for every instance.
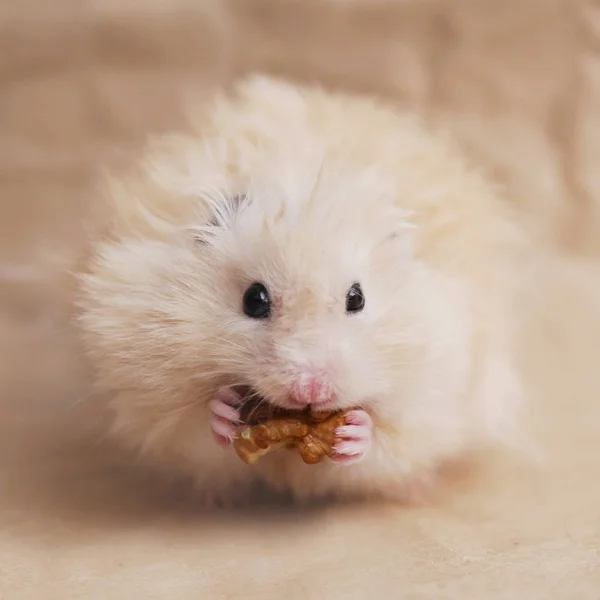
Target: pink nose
(308, 389)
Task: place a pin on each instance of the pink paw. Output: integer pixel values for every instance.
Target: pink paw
(354, 438)
(224, 417)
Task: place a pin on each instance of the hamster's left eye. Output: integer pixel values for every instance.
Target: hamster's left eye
(257, 302)
(355, 299)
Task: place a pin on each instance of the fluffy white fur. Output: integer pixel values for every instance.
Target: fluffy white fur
(338, 189)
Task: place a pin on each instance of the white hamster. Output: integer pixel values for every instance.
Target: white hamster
(320, 248)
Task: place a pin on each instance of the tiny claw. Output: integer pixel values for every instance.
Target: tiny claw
(223, 419)
(354, 438)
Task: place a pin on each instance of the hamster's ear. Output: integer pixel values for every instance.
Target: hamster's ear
(222, 212)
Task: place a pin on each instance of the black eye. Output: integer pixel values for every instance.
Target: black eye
(355, 300)
(257, 303)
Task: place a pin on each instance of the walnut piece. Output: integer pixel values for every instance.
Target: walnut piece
(311, 433)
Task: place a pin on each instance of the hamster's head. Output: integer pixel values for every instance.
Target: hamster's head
(304, 286)
(301, 287)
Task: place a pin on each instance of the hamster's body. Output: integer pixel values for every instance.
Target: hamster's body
(307, 194)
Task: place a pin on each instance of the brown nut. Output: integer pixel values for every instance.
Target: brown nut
(311, 433)
(254, 441)
(319, 442)
(250, 449)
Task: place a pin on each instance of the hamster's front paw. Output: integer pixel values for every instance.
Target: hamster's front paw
(354, 438)
(224, 417)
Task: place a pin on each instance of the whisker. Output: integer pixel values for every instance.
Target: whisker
(262, 401)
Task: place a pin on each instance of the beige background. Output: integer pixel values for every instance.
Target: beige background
(82, 83)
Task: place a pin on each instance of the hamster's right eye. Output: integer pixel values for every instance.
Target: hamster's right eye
(257, 302)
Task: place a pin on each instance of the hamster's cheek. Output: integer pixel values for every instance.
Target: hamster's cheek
(415, 339)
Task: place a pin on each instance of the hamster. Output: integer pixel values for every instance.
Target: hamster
(318, 248)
